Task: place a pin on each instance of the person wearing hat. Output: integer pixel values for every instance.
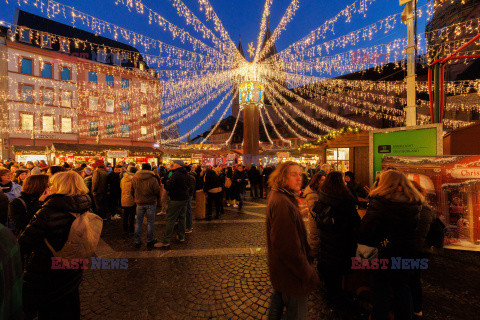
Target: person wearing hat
(177, 187)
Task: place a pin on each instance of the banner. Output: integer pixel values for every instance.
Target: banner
(117, 154)
(407, 141)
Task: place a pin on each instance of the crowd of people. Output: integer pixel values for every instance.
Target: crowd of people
(395, 226)
(37, 200)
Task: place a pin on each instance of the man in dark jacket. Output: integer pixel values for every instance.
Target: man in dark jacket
(240, 183)
(177, 187)
(99, 190)
(292, 273)
(146, 192)
(114, 191)
(254, 177)
(266, 174)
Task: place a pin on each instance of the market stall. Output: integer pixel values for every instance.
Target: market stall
(29, 153)
(88, 153)
(345, 149)
(453, 186)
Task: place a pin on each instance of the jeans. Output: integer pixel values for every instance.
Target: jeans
(129, 218)
(240, 198)
(217, 199)
(149, 210)
(297, 307)
(256, 190)
(176, 210)
(189, 219)
(381, 283)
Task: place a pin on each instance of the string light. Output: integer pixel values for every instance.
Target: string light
(263, 27)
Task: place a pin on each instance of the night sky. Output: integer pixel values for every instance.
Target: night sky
(238, 17)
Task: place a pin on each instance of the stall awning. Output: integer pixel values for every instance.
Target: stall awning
(185, 153)
(101, 150)
(30, 150)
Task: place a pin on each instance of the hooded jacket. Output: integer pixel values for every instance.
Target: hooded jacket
(127, 199)
(145, 188)
(337, 241)
(291, 271)
(394, 219)
(53, 222)
(100, 181)
(178, 184)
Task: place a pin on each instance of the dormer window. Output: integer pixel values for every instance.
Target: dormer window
(46, 41)
(25, 35)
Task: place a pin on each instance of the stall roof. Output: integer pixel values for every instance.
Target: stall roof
(96, 149)
(30, 149)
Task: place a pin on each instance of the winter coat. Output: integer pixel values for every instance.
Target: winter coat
(242, 184)
(394, 219)
(3, 208)
(426, 218)
(177, 185)
(313, 234)
(14, 192)
(145, 188)
(212, 181)
(193, 182)
(338, 241)
(254, 176)
(266, 174)
(100, 181)
(127, 199)
(113, 180)
(199, 181)
(20, 214)
(41, 283)
(291, 271)
(88, 182)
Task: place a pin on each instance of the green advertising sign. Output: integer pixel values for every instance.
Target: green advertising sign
(414, 142)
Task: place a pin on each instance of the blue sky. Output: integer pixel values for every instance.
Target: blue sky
(238, 17)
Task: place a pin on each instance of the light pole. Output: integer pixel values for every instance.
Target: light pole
(408, 18)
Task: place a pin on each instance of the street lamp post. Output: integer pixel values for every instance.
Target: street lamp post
(408, 19)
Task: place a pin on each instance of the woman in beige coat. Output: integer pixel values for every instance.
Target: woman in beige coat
(128, 201)
(311, 195)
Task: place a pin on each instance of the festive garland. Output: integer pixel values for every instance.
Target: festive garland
(329, 136)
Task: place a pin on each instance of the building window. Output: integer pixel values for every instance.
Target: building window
(92, 103)
(46, 41)
(27, 93)
(143, 87)
(66, 99)
(109, 105)
(125, 107)
(125, 83)
(92, 76)
(110, 129)
(25, 35)
(143, 131)
(65, 74)
(26, 66)
(339, 158)
(125, 131)
(110, 81)
(47, 96)
(65, 45)
(26, 121)
(66, 125)
(143, 110)
(47, 70)
(93, 128)
(47, 123)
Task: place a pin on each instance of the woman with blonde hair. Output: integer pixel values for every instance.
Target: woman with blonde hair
(53, 293)
(292, 273)
(390, 224)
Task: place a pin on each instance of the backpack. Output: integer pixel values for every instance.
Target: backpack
(228, 182)
(436, 234)
(323, 215)
(82, 239)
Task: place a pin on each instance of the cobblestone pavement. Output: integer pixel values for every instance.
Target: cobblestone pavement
(220, 272)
